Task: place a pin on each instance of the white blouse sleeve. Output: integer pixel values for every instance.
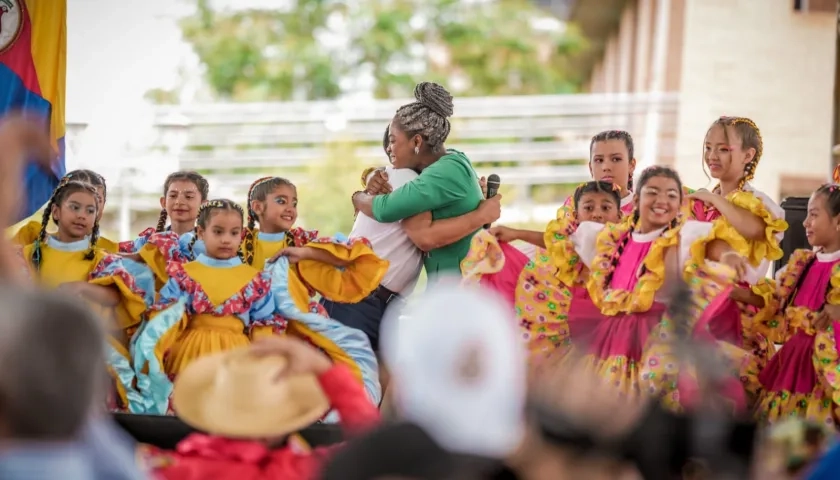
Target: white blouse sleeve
(690, 232)
(585, 241)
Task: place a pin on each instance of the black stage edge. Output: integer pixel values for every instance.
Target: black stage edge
(796, 209)
(165, 431)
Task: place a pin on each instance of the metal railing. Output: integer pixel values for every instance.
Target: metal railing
(528, 140)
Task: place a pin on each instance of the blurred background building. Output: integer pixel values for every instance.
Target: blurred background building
(240, 90)
(770, 60)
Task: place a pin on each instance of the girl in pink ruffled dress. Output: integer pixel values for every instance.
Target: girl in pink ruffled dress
(743, 217)
(545, 289)
(631, 264)
(800, 379)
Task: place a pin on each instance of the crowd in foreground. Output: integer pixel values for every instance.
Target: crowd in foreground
(640, 317)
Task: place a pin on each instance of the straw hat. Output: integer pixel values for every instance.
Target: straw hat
(238, 395)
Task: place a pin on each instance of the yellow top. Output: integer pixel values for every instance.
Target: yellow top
(26, 232)
(349, 284)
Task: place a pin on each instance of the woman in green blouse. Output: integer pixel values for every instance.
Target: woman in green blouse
(447, 186)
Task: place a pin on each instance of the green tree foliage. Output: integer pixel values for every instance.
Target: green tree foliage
(324, 200)
(498, 47)
(491, 47)
(265, 55)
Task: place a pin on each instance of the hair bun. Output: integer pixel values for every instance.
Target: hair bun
(435, 97)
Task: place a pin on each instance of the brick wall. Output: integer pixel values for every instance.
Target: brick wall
(761, 59)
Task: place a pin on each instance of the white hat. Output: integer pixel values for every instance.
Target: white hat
(459, 369)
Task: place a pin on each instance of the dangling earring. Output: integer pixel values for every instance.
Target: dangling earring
(417, 150)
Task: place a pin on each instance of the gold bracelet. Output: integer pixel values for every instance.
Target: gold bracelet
(353, 197)
(365, 174)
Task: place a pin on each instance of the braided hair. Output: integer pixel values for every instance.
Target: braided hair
(747, 131)
(645, 177)
(386, 141)
(64, 189)
(206, 210)
(259, 191)
(90, 177)
(599, 187)
(428, 116)
(622, 135)
(187, 176)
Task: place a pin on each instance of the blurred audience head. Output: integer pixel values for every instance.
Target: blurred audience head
(458, 370)
(51, 349)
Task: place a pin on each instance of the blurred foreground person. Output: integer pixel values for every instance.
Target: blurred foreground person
(458, 377)
(48, 395)
(792, 450)
(252, 401)
(20, 139)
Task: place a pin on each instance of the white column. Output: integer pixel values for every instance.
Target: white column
(657, 84)
(641, 67)
(626, 35)
(611, 65)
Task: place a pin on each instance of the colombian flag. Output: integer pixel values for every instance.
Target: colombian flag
(33, 53)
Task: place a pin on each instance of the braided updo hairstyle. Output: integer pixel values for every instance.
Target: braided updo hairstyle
(749, 134)
(207, 209)
(428, 116)
(188, 176)
(625, 137)
(64, 189)
(644, 178)
(386, 141)
(259, 191)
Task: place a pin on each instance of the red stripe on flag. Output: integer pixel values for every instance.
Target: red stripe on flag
(18, 56)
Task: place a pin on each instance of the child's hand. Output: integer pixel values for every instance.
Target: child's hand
(302, 357)
(705, 196)
(821, 321)
(736, 261)
(504, 234)
(294, 254)
(828, 314)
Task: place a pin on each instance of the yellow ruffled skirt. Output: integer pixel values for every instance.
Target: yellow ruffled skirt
(204, 335)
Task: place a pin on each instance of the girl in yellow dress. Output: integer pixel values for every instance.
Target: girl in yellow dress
(70, 259)
(183, 194)
(212, 304)
(303, 265)
(27, 231)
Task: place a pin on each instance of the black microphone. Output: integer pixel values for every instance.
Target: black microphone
(493, 182)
